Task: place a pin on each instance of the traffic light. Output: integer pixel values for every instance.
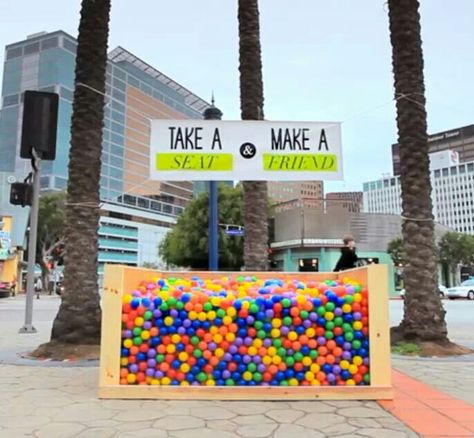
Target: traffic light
(21, 193)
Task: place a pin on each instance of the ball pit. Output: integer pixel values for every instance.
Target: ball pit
(244, 331)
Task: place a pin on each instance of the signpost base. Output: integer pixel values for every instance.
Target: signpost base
(27, 329)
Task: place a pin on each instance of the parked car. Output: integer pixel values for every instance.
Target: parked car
(464, 290)
(442, 292)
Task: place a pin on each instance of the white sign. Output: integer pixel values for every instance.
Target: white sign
(245, 150)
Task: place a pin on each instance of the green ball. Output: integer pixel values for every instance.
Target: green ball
(304, 314)
(137, 331)
(347, 327)
(330, 325)
(253, 308)
(349, 299)
(207, 307)
(202, 377)
(197, 353)
(277, 343)
(261, 334)
(285, 302)
(321, 310)
(313, 354)
(221, 313)
(298, 356)
(148, 315)
(330, 306)
(349, 336)
(240, 279)
(281, 352)
(258, 325)
(137, 341)
(171, 301)
(287, 320)
(338, 321)
(252, 367)
(357, 288)
(160, 358)
(171, 280)
(328, 334)
(164, 307)
(229, 382)
(290, 361)
(367, 378)
(257, 377)
(356, 344)
(284, 383)
(179, 305)
(194, 340)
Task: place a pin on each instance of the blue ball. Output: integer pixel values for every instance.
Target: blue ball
(276, 298)
(146, 302)
(141, 357)
(190, 377)
(195, 370)
(321, 321)
(124, 352)
(157, 301)
(175, 364)
(201, 362)
(299, 376)
(241, 368)
(289, 373)
(345, 375)
(220, 382)
(280, 375)
(237, 358)
(236, 376)
(134, 303)
(327, 368)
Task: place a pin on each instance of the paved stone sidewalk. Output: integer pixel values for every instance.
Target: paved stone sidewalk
(451, 375)
(61, 402)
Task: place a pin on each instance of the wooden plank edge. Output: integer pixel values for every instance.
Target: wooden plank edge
(247, 393)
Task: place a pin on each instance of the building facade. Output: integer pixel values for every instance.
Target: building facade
(289, 191)
(460, 140)
(350, 201)
(452, 196)
(135, 93)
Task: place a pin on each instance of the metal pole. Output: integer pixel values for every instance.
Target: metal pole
(213, 227)
(213, 113)
(30, 279)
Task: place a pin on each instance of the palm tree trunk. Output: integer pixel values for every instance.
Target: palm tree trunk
(251, 105)
(78, 319)
(424, 316)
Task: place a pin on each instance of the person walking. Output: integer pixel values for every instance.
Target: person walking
(348, 258)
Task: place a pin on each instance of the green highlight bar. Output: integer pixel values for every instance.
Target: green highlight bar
(194, 162)
(300, 162)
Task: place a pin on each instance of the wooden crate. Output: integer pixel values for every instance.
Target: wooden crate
(124, 279)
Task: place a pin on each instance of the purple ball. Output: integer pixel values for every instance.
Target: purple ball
(157, 313)
(357, 316)
(246, 359)
(269, 313)
(313, 316)
(346, 355)
(238, 342)
(133, 368)
(151, 353)
(257, 359)
(267, 342)
(174, 313)
(347, 346)
(338, 311)
(147, 325)
(321, 340)
(150, 372)
(227, 357)
(233, 349)
(187, 323)
(226, 374)
(261, 368)
(307, 323)
(336, 369)
(250, 320)
(127, 334)
(158, 374)
(151, 363)
(212, 346)
(331, 377)
(181, 331)
(248, 341)
(284, 330)
(366, 361)
(290, 352)
(136, 293)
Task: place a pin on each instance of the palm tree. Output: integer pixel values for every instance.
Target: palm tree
(424, 317)
(78, 319)
(251, 105)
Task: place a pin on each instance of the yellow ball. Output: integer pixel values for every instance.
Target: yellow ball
(215, 301)
(353, 369)
(131, 378)
(145, 335)
(252, 351)
(185, 368)
(231, 311)
(357, 325)
(211, 315)
(276, 360)
(210, 382)
(175, 339)
(139, 321)
(127, 299)
(329, 316)
(315, 382)
(272, 351)
(307, 361)
(192, 315)
(357, 360)
(155, 382)
(219, 352)
(247, 376)
(315, 368)
(257, 343)
(311, 332)
(344, 364)
(214, 330)
(346, 308)
(309, 376)
(165, 381)
(170, 348)
(202, 316)
(357, 297)
(218, 338)
(275, 333)
(292, 336)
(276, 322)
(350, 382)
(123, 361)
(127, 343)
(230, 337)
(227, 320)
(168, 321)
(184, 383)
(267, 360)
(183, 356)
(293, 382)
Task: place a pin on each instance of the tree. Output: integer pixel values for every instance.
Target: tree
(395, 250)
(187, 243)
(424, 316)
(456, 249)
(78, 319)
(51, 224)
(251, 105)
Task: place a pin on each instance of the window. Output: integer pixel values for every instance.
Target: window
(14, 53)
(69, 45)
(32, 48)
(119, 73)
(10, 100)
(437, 173)
(133, 81)
(445, 172)
(116, 94)
(67, 94)
(119, 84)
(49, 43)
(454, 170)
(470, 167)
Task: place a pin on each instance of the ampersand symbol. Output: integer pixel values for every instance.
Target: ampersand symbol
(248, 150)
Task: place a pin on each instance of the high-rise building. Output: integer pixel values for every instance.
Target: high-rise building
(136, 212)
(135, 93)
(452, 194)
(350, 201)
(285, 191)
(460, 140)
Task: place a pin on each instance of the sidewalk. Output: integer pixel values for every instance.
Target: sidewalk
(47, 399)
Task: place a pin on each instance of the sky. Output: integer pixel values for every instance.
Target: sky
(322, 61)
